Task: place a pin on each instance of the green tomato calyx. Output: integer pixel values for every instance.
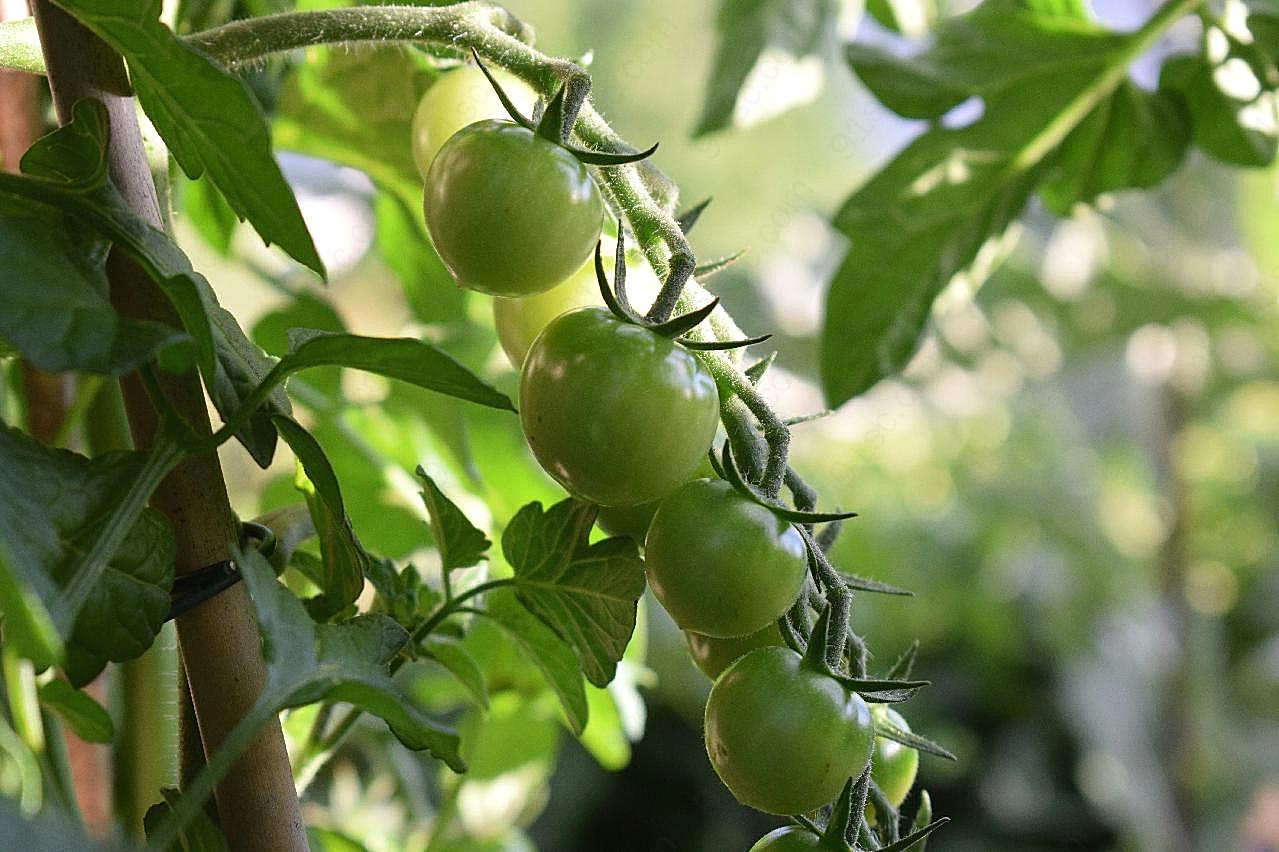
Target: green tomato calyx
(614, 296)
(559, 116)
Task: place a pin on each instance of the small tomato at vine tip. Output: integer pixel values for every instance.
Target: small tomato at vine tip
(458, 98)
(615, 413)
(520, 320)
(893, 766)
(713, 655)
(510, 213)
(785, 738)
(721, 564)
(796, 838)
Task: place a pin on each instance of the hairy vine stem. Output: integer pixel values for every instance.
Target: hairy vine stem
(644, 196)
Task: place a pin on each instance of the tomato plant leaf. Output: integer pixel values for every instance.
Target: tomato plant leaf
(308, 662)
(459, 543)
(79, 710)
(344, 560)
(207, 118)
(80, 536)
(554, 658)
(201, 835)
(409, 360)
(31, 629)
(403, 594)
(914, 842)
(938, 210)
(57, 312)
(68, 177)
(586, 593)
(1222, 127)
(753, 34)
(450, 654)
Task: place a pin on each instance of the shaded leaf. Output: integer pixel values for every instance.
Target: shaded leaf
(553, 657)
(81, 538)
(56, 310)
(201, 835)
(309, 662)
(450, 654)
(79, 710)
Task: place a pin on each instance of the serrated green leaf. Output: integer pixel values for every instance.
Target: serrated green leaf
(306, 310)
(586, 593)
(553, 657)
(345, 561)
(80, 536)
(403, 594)
(450, 654)
(79, 710)
(941, 207)
(202, 835)
(206, 117)
(308, 662)
(459, 543)
(749, 28)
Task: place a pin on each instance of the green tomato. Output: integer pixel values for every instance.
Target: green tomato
(634, 521)
(893, 766)
(721, 564)
(616, 414)
(783, 738)
(796, 838)
(510, 213)
(713, 655)
(520, 320)
(461, 97)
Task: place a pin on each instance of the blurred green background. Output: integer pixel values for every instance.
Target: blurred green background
(1078, 476)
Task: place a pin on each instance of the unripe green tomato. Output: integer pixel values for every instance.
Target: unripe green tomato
(893, 766)
(520, 320)
(634, 521)
(460, 97)
(615, 413)
(722, 565)
(782, 737)
(796, 838)
(713, 655)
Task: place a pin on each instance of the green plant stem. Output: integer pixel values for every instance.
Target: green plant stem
(645, 196)
(220, 762)
(59, 765)
(146, 746)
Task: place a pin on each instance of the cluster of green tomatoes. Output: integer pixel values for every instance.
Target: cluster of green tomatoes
(622, 414)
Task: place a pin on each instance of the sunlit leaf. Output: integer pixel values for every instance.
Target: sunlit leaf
(206, 117)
